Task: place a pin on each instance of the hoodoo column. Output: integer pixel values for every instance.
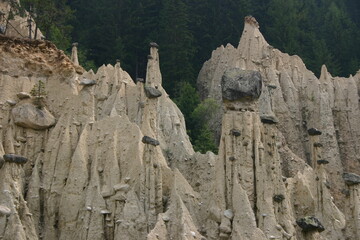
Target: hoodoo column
(240, 148)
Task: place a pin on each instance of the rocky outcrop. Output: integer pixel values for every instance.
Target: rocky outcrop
(249, 182)
(316, 118)
(310, 223)
(117, 162)
(98, 169)
(87, 82)
(29, 116)
(237, 84)
(152, 92)
(74, 54)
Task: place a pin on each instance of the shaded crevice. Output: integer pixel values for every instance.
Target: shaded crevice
(255, 184)
(42, 211)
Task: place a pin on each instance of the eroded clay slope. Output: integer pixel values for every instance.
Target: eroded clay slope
(98, 156)
(87, 159)
(295, 99)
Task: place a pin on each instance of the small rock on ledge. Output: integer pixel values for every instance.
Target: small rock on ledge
(151, 141)
(4, 211)
(278, 198)
(351, 178)
(152, 92)
(15, 159)
(23, 95)
(87, 82)
(269, 119)
(235, 132)
(140, 80)
(322, 161)
(154, 44)
(314, 132)
(228, 213)
(310, 223)
(11, 102)
(318, 144)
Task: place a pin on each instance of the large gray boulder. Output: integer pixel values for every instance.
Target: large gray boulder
(237, 84)
(29, 116)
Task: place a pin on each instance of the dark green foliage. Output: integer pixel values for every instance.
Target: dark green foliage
(319, 31)
(38, 90)
(52, 17)
(198, 117)
(215, 22)
(286, 16)
(84, 61)
(39, 93)
(201, 117)
(187, 99)
(205, 141)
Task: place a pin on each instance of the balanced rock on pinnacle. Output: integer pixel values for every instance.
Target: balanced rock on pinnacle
(237, 84)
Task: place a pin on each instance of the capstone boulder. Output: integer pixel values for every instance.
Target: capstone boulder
(239, 85)
(351, 178)
(310, 223)
(29, 116)
(314, 132)
(15, 159)
(151, 141)
(152, 92)
(87, 82)
(23, 95)
(269, 119)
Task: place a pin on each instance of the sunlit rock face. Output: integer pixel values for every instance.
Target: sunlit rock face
(295, 100)
(96, 150)
(112, 160)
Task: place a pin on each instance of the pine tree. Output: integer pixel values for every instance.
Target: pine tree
(38, 90)
(39, 93)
